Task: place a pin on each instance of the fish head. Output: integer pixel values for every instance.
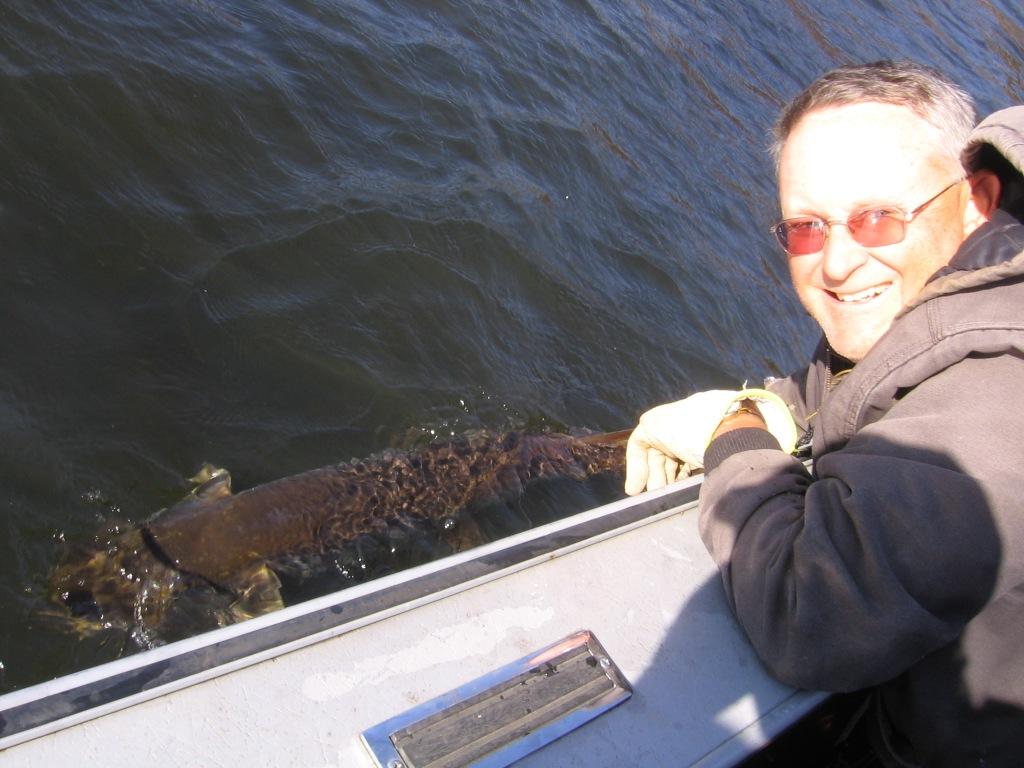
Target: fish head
(120, 584)
(112, 583)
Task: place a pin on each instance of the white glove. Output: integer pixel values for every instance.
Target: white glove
(670, 440)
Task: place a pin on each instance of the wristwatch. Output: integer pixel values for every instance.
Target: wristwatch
(743, 406)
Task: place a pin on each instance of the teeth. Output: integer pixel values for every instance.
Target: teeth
(870, 293)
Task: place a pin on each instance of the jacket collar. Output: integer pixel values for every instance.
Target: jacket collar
(993, 252)
(998, 240)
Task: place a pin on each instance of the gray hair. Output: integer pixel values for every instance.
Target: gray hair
(923, 90)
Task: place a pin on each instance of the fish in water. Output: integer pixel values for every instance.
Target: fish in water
(232, 546)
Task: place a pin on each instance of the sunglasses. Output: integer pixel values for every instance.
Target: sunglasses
(872, 227)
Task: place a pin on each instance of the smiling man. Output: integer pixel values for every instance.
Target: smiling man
(854, 289)
(898, 564)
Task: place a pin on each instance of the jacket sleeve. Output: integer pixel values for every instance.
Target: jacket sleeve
(844, 578)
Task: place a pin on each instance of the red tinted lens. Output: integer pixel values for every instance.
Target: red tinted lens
(877, 227)
(801, 236)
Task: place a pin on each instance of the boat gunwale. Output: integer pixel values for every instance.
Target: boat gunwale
(50, 706)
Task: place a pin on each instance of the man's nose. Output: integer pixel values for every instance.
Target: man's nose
(842, 255)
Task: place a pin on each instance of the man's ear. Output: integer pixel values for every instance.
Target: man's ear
(984, 199)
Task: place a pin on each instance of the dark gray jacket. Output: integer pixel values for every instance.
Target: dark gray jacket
(899, 562)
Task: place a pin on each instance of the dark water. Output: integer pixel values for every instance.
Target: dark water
(281, 234)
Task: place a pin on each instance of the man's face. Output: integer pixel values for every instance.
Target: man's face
(840, 160)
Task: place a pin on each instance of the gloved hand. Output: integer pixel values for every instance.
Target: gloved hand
(670, 440)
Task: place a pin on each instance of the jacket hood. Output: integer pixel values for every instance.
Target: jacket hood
(1004, 130)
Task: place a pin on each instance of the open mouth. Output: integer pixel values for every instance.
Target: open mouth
(81, 604)
(861, 297)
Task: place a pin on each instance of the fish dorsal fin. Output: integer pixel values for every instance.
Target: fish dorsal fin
(212, 482)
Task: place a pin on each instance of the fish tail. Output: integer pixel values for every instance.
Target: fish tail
(607, 438)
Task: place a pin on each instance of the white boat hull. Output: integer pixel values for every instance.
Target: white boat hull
(298, 687)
